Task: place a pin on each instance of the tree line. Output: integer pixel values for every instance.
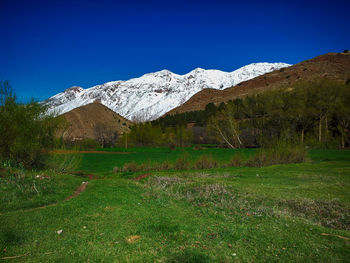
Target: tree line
(315, 112)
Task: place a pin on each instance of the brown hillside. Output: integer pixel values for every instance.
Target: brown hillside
(334, 66)
(81, 122)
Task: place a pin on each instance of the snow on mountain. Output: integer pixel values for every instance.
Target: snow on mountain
(154, 94)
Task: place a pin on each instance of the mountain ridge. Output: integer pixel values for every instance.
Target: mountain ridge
(154, 94)
(333, 66)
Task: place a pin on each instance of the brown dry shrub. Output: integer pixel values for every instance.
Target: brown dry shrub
(130, 167)
(206, 162)
(236, 161)
(182, 163)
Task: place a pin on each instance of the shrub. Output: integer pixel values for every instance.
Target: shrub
(182, 163)
(116, 169)
(236, 161)
(166, 165)
(26, 129)
(205, 162)
(88, 144)
(130, 167)
(278, 154)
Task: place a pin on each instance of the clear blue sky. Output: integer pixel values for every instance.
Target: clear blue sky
(48, 46)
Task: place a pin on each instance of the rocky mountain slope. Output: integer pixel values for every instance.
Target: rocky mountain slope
(91, 121)
(334, 66)
(154, 94)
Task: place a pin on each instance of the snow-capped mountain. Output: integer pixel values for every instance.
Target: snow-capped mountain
(154, 94)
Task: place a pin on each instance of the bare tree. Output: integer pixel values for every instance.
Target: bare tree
(224, 127)
(104, 134)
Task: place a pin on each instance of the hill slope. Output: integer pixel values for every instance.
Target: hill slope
(334, 66)
(90, 120)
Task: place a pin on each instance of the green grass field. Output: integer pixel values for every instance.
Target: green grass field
(280, 213)
(103, 164)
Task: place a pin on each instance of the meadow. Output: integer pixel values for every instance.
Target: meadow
(279, 213)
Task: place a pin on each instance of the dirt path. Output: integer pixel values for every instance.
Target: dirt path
(142, 176)
(77, 192)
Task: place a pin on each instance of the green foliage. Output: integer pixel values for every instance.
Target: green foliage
(280, 153)
(20, 189)
(224, 128)
(317, 109)
(146, 134)
(63, 163)
(26, 130)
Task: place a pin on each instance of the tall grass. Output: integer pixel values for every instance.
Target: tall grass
(64, 163)
(279, 153)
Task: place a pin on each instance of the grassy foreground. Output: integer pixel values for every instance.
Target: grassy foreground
(281, 213)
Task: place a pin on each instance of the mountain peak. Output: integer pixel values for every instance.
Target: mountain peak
(75, 89)
(154, 94)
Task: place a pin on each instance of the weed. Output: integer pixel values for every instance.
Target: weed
(182, 163)
(278, 154)
(330, 213)
(64, 163)
(166, 165)
(205, 162)
(236, 161)
(130, 167)
(116, 169)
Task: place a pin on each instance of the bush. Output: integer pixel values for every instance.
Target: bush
(236, 161)
(116, 169)
(166, 165)
(182, 163)
(206, 162)
(130, 167)
(278, 154)
(88, 144)
(26, 130)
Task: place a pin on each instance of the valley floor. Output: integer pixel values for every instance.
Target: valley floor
(280, 213)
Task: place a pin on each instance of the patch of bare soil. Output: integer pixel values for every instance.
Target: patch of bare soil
(79, 190)
(142, 176)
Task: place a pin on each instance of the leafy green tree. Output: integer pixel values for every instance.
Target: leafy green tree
(26, 130)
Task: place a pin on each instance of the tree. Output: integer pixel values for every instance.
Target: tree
(341, 113)
(224, 127)
(26, 130)
(105, 135)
